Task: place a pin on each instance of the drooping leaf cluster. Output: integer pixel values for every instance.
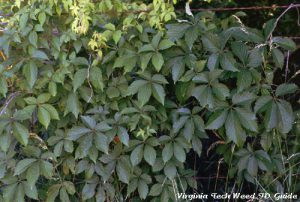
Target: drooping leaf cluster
(102, 103)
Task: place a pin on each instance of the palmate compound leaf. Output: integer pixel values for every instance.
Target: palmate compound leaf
(59, 55)
(235, 120)
(277, 113)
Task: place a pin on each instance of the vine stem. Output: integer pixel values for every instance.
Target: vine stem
(88, 78)
(8, 101)
(280, 16)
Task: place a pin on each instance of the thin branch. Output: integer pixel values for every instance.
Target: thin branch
(287, 66)
(273, 7)
(8, 101)
(280, 16)
(88, 78)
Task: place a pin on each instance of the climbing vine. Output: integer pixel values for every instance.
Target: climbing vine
(106, 100)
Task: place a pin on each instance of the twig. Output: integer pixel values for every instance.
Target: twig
(8, 101)
(241, 8)
(280, 16)
(88, 77)
(6, 14)
(287, 66)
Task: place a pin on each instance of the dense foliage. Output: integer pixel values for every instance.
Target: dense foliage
(105, 100)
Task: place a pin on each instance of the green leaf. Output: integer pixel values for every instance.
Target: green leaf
(178, 124)
(39, 55)
(155, 190)
(165, 44)
(252, 166)
(46, 169)
(88, 190)
(255, 58)
(191, 36)
(69, 187)
(213, 61)
(167, 152)
(179, 152)
(33, 37)
(137, 155)
(76, 132)
(32, 174)
(123, 172)
(135, 86)
(51, 110)
(157, 61)
(143, 189)
(243, 98)
(23, 20)
(177, 30)
(285, 43)
(31, 192)
(262, 103)
(88, 121)
(216, 120)
(79, 78)
(63, 195)
(156, 39)
(247, 119)
(211, 43)
(44, 97)
(285, 116)
(197, 146)
(240, 50)
(228, 63)
(21, 133)
(145, 58)
(221, 91)
(278, 57)
(170, 171)
(42, 18)
(244, 80)
(144, 94)
(20, 195)
(189, 130)
(286, 88)
(101, 143)
(271, 118)
(30, 72)
(178, 66)
(44, 117)
(96, 78)
(73, 105)
(116, 36)
(123, 135)
(149, 155)
(53, 192)
(269, 27)
(9, 192)
(52, 88)
(234, 130)
(23, 165)
(3, 86)
(159, 93)
(146, 48)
